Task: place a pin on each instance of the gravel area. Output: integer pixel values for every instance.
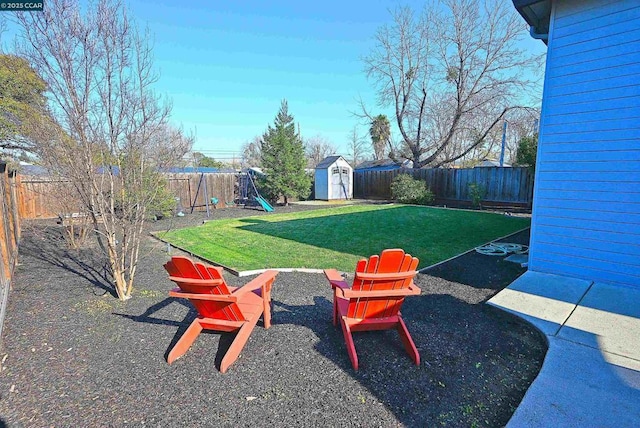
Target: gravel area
(72, 355)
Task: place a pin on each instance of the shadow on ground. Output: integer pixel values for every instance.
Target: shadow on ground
(482, 271)
(105, 360)
(396, 227)
(46, 244)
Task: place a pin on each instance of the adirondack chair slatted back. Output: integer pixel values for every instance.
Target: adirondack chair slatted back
(390, 261)
(183, 268)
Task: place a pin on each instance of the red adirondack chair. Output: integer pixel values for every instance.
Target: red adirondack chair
(373, 301)
(220, 307)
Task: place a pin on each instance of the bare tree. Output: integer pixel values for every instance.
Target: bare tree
(522, 123)
(451, 73)
(113, 134)
(317, 148)
(252, 153)
(358, 147)
(168, 145)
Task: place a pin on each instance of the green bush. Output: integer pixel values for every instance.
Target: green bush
(161, 200)
(477, 193)
(407, 190)
(527, 151)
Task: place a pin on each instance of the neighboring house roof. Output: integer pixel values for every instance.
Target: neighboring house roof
(384, 165)
(327, 162)
(491, 163)
(536, 13)
(199, 170)
(29, 169)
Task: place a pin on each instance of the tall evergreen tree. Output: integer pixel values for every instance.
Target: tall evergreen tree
(283, 159)
(527, 151)
(24, 117)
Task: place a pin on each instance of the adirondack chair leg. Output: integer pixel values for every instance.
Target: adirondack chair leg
(408, 341)
(237, 345)
(351, 347)
(185, 342)
(335, 308)
(266, 300)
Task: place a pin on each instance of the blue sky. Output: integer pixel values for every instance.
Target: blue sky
(228, 64)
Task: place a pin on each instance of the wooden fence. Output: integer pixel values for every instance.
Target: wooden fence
(9, 234)
(503, 186)
(40, 196)
(191, 189)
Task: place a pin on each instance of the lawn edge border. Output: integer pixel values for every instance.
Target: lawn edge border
(231, 270)
(424, 269)
(177, 247)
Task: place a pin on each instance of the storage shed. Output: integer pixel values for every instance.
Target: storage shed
(333, 179)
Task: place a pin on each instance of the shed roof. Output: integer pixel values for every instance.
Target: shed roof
(327, 162)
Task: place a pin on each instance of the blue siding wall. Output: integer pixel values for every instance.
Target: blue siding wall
(586, 217)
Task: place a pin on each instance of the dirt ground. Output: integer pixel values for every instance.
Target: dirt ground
(72, 355)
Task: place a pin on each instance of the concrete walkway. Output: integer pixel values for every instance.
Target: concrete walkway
(591, 374)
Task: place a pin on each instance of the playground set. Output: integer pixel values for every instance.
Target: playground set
(246, 195)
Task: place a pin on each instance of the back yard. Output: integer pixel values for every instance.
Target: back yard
(69, 346)
(338, 237)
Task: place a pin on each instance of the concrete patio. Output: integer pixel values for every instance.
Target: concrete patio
(591, 374)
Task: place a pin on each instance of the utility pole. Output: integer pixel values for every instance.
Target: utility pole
(504, 141)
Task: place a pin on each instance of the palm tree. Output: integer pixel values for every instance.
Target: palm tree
(380, 131)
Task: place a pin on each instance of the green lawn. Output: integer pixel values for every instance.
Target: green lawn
(338, 237)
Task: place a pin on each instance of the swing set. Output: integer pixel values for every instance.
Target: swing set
(248, 194)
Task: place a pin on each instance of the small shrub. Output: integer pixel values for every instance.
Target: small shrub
(477, 193)
(407, 190)
(162, 202)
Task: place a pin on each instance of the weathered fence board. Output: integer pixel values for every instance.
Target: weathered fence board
(40, 196)
(190, 188)
(510, 186)
(9, 234)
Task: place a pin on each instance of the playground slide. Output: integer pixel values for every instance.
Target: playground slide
(266, 205)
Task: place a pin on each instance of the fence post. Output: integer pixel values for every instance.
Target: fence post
(9, 237)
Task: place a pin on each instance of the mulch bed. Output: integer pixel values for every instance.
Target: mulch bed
(73, 355)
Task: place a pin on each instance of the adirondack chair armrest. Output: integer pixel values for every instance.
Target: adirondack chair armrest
(393, 276)
(262, 281)
(177, 292)
(348, 293)
(193, 281)
(335, 279)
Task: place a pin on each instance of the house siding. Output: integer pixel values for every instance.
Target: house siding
(586, 211)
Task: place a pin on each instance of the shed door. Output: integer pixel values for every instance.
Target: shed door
(339, 183)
